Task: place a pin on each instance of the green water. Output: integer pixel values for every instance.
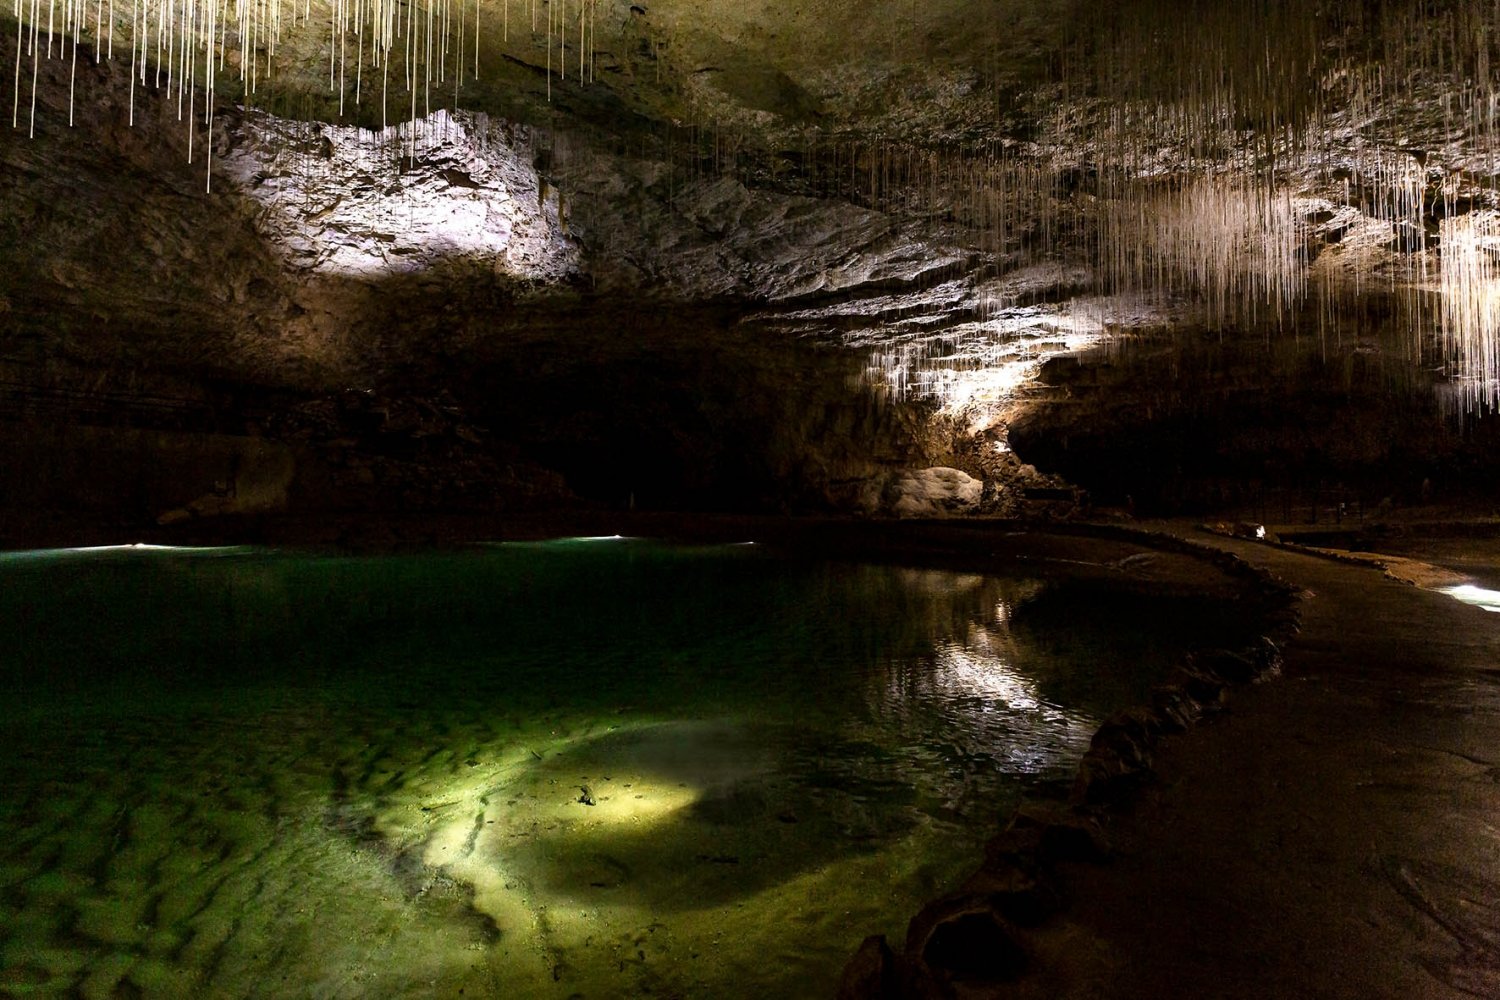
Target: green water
(252, 773)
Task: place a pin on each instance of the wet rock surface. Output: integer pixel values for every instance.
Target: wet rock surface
(955, 272)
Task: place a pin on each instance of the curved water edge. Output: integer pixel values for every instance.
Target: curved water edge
(974, 939)
(685, 811)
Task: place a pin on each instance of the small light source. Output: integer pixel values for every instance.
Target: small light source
(1489, 600)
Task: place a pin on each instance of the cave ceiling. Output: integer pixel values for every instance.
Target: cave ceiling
(958, 188)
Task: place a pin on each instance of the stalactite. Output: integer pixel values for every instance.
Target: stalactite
(1241, 104)
(15, 113)
(35, 56)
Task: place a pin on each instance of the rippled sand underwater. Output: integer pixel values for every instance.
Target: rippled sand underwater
(540, 770)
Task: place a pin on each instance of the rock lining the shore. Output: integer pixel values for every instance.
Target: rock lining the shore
(973, 941)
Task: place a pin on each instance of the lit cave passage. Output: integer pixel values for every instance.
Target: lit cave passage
(582, 498)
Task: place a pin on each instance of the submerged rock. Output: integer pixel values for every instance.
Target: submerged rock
(873, 973)
(1018, 889)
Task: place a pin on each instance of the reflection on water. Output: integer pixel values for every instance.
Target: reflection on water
(537, 770)
(1478, 596)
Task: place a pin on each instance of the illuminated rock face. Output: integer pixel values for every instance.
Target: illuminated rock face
(456, 188)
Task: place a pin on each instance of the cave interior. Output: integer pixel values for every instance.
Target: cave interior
(835, 261)
(1167, 257)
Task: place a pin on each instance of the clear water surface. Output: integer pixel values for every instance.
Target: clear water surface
(588, 768)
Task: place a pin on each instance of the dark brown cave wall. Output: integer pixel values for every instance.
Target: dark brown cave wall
(684, 407)
(1279, 429)
(110, 249)
(155, 349)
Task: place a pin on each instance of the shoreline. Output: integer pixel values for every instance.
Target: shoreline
(1014, 879)
(980, 939)
(1329, 835)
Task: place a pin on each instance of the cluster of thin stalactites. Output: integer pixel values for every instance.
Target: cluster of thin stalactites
(180, 47)
(1296, 251)
(1273, 163)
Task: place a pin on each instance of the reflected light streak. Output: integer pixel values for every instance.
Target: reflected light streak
(965, 672)
(1489, 600)
(124, 547)
(573, 540)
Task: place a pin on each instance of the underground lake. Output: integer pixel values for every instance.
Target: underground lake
(583, 767)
